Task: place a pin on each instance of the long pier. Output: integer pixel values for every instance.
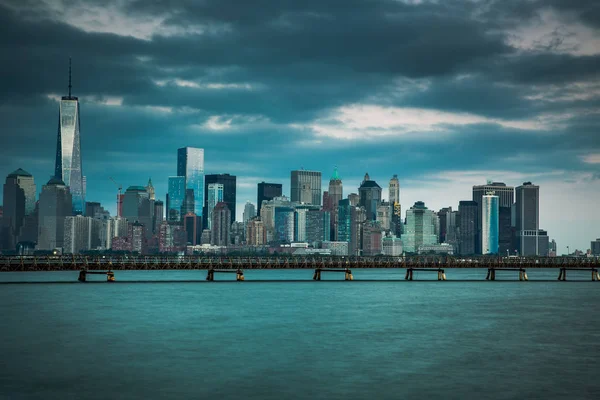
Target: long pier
(117, 263)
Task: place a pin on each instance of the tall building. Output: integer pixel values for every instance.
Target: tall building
(116, 227)
(229, 191)
(284, 224)
(384, 216)
(318, 227)
(308, 182)
(467, 226)
(190, 165)
(192, 230)
(221, 222)
(157, 216)
(531, 241)
(19, 202)
(176, 198)
(336, 189)
(301, 221)
(506, 196)
(255, 233)
(68, 149)
(505, 231)
(214, 196)
(267, 192)
(372, 238)
(490, 224)
(137, 208)
(54, 206)
(420, 228)
(358, 219)
(268, 214)
(594, 247)
(354, 199)
(78, 234)
(249, 213)
(370, 196)
(394, 190)
(150, 190)
(344, 221)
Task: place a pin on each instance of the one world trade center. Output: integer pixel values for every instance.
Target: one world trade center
(68, 149)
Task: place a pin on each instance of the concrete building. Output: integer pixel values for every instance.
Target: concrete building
(531, 241)
(255, 233)
(19, 202)
(384, 215)
(78, 234)
(137, 208)
(337, 248)
(54, 206)
(116, 227)
(220, 225)
(392, 246)
(308, 182)
(594, 247)
(249, 213)
(372, 235)
(440, 248)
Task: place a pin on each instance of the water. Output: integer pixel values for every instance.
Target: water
(379, 339)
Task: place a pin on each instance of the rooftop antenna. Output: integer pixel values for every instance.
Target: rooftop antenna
(69, 77)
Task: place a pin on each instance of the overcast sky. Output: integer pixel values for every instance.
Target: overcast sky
(446, 94)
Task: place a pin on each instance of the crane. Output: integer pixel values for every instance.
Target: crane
(118, 196)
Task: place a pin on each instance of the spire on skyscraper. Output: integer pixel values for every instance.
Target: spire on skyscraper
(69, 77)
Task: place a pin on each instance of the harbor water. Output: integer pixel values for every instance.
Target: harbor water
(280, 335)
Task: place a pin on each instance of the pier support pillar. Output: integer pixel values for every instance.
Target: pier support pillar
(239, 276)
(211, 275)
(82, 276)
(110, 276)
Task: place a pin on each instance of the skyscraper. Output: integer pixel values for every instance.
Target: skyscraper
(467, 225)
(394, 190)
(68, 149)
(54, 206)
(78, 234)
(150, 190)
(255, 233)
(490, 223)
(420, 227)
(215, 196)
(305, 182)
(531, 241)
(137, 208)
(506, 196)
(157, 216)
(284, 224)
(19, 202)
(336, 189)
(266, 192)
(220, 225)
(370, 196)
(176, 198)
(229, 191)
(249, 213)
(190, 165)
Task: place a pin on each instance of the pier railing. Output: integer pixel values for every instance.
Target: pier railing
(78, 262)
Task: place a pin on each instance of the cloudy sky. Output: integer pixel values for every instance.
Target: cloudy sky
(446, 94)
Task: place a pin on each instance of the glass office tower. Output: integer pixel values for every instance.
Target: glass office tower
(490, 223)
(190, 165)
(175, 199)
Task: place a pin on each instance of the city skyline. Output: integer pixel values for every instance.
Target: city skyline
(442, 124)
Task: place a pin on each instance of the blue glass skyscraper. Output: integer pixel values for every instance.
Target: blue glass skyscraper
(490, 224)
(68, 149)
(175, 198)
(190, 165)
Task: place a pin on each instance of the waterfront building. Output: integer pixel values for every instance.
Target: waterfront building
(370, 195)
(317, 227)
(307, 182)
(214, 196)
(490, 224)
(395, 207)
(229, 192)
(468, 223)
(440, 248)
(190, 166)
(267, 192)
(54, 206)
(337, 248)
(255, 232)
(249, 213)
(391, 246)
(206, 237)
(68, 149)
(221, 222)
(506, 196)
(19, 202)
(78, 234)
(421, 226)
(531, 241)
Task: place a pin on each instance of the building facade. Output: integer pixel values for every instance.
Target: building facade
(229, 192)
(175, 198)
(420, 229)
(506, 196)
(369, 197)
(190, 165)
(220, 225)
(308, 182)
(467, 226)
(19, 202)
(214, 196)
(54, 206)
(490, 225)
(267, 192)
(68, 149)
